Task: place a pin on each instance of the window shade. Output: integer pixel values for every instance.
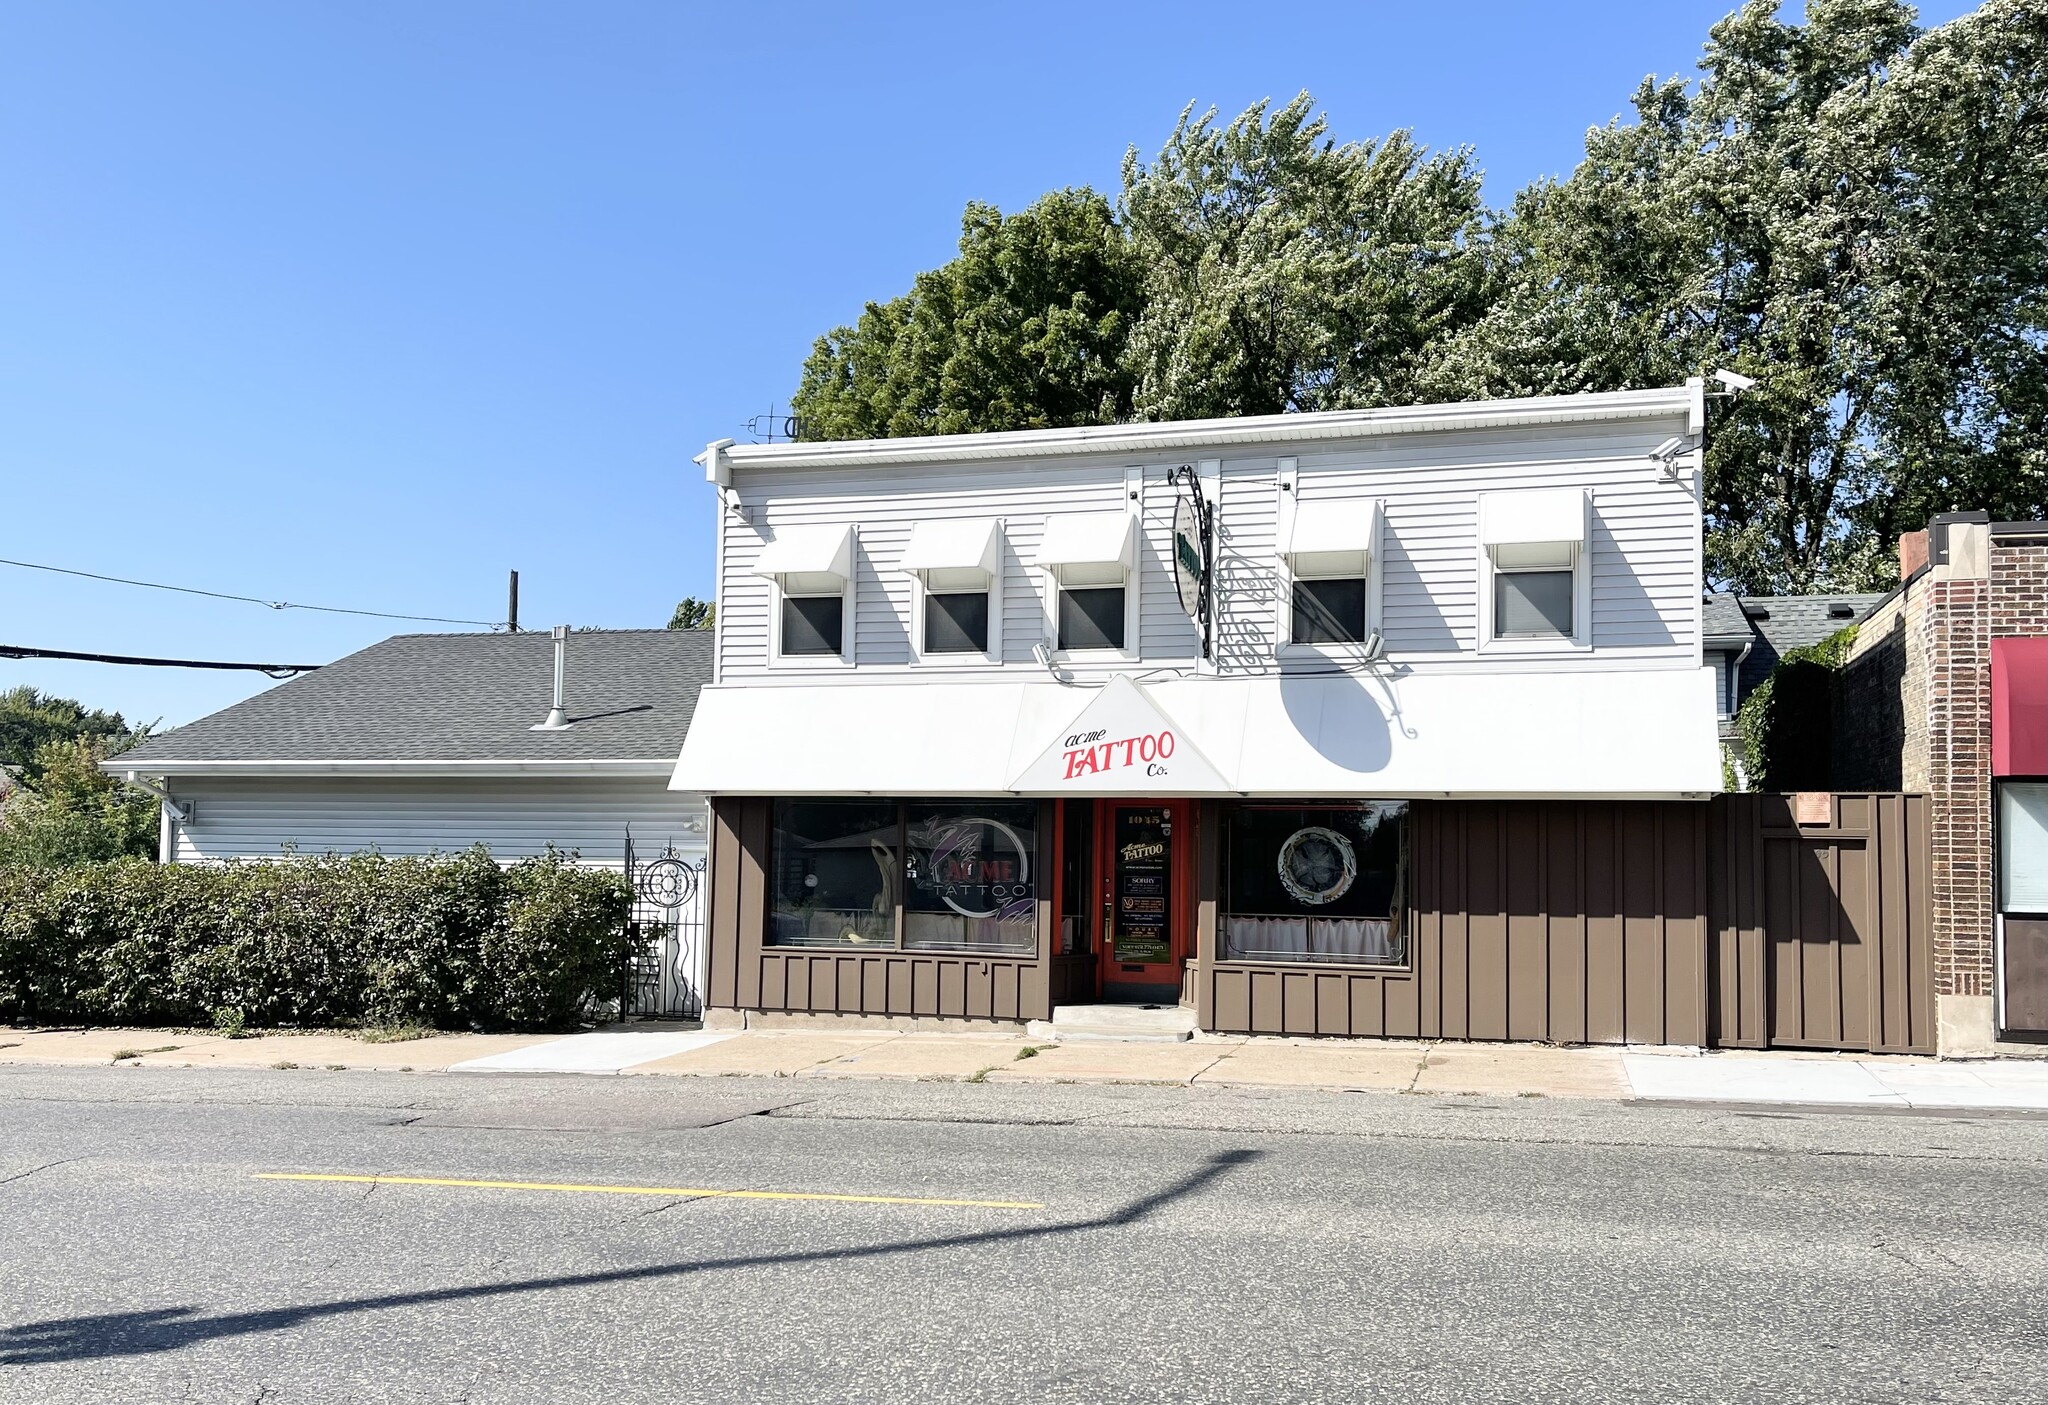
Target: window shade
(2023, 847)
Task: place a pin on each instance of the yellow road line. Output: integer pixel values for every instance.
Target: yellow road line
(691, 1191)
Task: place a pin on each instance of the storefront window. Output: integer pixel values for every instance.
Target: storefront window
(970, 883)
(1321, 884)
(964, 873)
(835, 874)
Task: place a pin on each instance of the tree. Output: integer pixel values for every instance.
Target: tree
(1024, 330)
(29, 719)
(1286, 272)
(72, 812)
(1852, 213)
(693, 613)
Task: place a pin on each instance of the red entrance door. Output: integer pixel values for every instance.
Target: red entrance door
(1141, 871)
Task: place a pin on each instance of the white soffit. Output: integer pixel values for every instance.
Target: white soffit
(950, 544)
(1597, 733)
(1536, 516)
(1340, 525)
(1087, 539)
(793, 551)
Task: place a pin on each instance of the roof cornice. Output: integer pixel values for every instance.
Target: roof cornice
(1177, 435)
(120, 765)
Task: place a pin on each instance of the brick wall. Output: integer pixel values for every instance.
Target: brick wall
(1959, 781)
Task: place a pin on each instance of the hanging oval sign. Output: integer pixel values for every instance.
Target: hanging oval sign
(1187, 557)
(1317, 865)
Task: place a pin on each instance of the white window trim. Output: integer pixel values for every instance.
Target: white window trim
(1285, 649)
(992, 657)
(845, 657)
(1134, 576)
(1581, 640)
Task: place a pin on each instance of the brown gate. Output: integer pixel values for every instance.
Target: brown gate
(1819, 923)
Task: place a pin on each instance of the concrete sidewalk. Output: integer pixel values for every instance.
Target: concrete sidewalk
(1496, 1070)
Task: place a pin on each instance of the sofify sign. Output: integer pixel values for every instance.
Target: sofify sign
(1087, 755)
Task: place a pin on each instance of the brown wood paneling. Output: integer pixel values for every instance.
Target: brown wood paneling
(1605, 1022)
(2026, 974)
(1820, 936)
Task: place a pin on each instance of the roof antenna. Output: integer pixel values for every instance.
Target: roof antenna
(558, 720)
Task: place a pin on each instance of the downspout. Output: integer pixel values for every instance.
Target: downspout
(168, 813)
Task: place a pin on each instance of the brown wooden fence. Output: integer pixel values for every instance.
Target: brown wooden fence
(1822, 931)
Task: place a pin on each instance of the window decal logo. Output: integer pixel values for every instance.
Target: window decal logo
(1317, 865)
(976, 866)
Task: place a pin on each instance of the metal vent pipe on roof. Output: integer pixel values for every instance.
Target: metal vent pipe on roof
(558, 720)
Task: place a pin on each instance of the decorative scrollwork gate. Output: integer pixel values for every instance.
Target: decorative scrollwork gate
(664, 973)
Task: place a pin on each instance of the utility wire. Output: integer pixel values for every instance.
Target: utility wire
(275, 670)
(248, 599)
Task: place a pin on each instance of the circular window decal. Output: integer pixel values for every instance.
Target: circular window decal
(1317, 865)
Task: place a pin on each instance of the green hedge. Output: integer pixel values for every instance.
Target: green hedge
(1787, 722)
(362, 940)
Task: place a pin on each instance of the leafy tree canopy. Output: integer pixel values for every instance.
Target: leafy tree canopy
(692, 613)
(29, 719)
(1851, 210)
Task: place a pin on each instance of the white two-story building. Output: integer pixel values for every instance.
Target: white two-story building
(1378, 722)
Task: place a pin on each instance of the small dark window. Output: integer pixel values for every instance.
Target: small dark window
(812, 624)
(1329, 611)
(956, 623)
(1092, 618)
(1532, 604)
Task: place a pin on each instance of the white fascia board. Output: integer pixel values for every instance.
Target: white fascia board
(121, 765)
(1176, 435)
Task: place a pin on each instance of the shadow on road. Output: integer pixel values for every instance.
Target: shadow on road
(153, 1330)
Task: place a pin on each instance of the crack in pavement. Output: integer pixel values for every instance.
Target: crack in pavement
(38, 1170)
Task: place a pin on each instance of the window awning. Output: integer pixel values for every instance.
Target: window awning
(1334, 526)
(1088, 539)
(953, 545)
(1539, 517)
(1647, 733)
(2019, 707)
(820, 551)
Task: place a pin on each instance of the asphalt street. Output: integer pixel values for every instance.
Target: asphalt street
(1118, 1244)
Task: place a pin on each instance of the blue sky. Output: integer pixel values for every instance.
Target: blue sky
(365, 303)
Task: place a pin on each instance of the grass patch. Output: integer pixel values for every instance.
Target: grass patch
(982, 1077)
(337, 1068)
(230, 1023)
(1029, 1051)
(393, 1033)
(123, 1054)
(284, 1063)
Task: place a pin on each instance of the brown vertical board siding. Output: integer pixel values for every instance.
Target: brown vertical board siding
(1208, 899)
(722, 904)
(1821, 935)
(1605, 1022)
(755, 821)
(1564, 865)
(1525, 873)
(1685, 925)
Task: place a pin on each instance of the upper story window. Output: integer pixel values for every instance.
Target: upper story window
(1533, 587)
(1329, 564)
(959, 569)
(812, 571)
(1089, 559)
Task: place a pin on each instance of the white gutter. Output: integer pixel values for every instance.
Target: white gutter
(125, 766)
(720, 458)
(179, 810)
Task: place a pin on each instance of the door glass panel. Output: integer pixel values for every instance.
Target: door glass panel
(1141, 928)
(2023, 847)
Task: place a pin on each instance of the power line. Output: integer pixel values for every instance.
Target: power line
(247, 599)
(275, 670)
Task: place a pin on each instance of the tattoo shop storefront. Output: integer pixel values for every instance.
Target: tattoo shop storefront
(1446, 855)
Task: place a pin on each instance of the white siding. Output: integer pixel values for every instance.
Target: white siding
(263, 817)
(1643, 557)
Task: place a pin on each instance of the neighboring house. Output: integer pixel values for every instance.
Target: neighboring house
(1415, 742)
(426, 743)
(1747, 635)
(1946, 692)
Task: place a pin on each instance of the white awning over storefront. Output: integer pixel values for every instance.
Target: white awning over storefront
(1591, 734)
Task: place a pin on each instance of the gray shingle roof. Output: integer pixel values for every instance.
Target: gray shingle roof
(1724, 620)
(1787, 622)
(464, 697)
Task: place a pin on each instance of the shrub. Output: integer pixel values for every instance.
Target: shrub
(1787, 723)
(357, 940)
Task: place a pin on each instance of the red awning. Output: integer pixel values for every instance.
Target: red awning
(2019, 707)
